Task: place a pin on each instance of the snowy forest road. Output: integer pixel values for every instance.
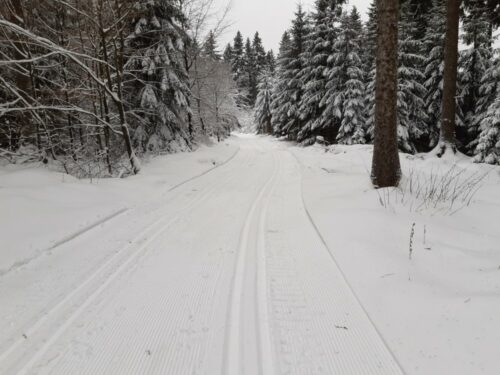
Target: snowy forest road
(225, 275)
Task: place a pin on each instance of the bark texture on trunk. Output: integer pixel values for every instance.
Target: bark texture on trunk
(13, 11)
(386, 169)
(447, 137)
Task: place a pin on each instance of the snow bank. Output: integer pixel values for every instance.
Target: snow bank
(439, 310)
(40, 209)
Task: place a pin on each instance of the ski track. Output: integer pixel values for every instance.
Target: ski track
(104, 274)
(247, 337)
(227, 275)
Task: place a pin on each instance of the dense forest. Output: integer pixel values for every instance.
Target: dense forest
(96, 84)
(324, 82)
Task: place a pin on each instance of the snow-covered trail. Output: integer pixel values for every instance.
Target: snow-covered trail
(224, 275)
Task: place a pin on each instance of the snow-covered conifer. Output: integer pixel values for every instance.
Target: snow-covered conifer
(434, 66)
(488, 145)
(251, 74)
(411, 92)
(289, 86)
(319, 46)
(228, 54)
(474, 62)
(344, 99)
(370, 39)
(156, 71)
(270, 62)
(263, 115)
(238, 67)
(210, 48)
(279, 99)
(259, 54)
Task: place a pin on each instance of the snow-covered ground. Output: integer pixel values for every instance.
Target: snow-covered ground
(40, 208)
(281, 260)
(440, 310)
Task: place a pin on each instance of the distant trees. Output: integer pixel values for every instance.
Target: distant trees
(248, 60)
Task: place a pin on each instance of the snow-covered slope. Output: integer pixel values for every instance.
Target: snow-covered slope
(439, 310)
(40, 208)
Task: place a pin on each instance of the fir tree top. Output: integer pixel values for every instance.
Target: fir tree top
(210, 48)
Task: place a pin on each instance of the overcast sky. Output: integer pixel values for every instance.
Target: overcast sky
(269, 17)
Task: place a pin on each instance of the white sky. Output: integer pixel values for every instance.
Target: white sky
(269, 17)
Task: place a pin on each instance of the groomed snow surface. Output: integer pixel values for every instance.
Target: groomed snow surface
(250, 257)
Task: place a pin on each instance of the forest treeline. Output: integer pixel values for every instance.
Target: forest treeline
(324, 81)
(94, 84)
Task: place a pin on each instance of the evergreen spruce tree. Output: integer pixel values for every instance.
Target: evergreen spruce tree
(319, 46)
(434, 66)
(474, 63)
(259, 54)
(411, 92)
(289, 86)
(155, 69)
(270, 62)
(210, 48)
(420, 10)
(251, 73)
(240, 74)
(227, 56)
(345, 93)
(488, 93)
(413, 130)
(370, 39)
(279, 100)
(237, 56)
(263, 114)
(488, 146)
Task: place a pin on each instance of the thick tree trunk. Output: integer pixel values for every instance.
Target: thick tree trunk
(447, 137)
(386, 169)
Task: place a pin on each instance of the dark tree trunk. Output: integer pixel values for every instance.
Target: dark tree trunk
(386, 169)
(15, 14)
(447, 138)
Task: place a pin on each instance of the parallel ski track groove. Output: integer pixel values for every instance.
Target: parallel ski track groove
(262, 305)
(114, 265)
(140, 363)
(233, 350)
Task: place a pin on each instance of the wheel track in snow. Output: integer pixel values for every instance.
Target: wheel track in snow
(82, 296)
(237, 343)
